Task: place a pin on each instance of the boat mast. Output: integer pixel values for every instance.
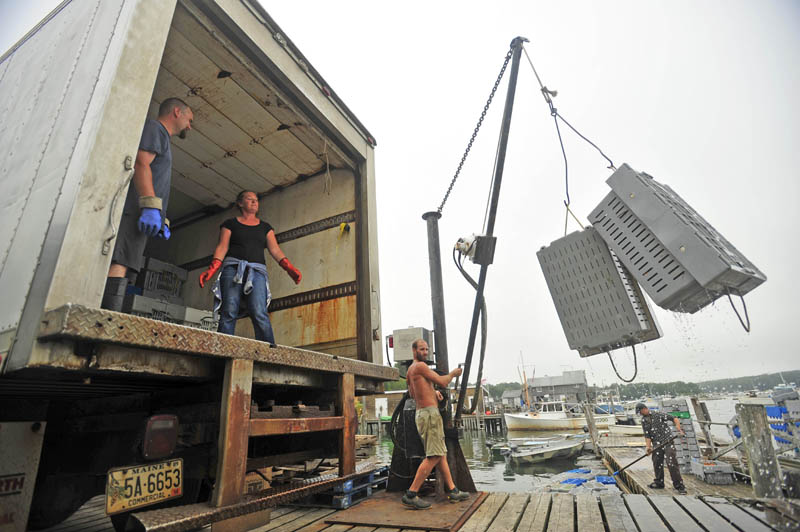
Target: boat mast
(525, 382)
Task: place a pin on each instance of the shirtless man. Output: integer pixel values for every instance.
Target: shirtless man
(420, 380)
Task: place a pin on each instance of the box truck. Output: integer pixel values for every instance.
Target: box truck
(166, 418)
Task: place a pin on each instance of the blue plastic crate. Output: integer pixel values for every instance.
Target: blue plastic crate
(602, 479)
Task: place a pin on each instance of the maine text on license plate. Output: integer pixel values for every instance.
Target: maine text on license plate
(142, 485)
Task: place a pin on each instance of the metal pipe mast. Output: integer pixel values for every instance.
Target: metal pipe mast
(516, 46)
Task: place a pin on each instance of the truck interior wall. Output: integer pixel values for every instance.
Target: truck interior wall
(326, 258)
(308, 164)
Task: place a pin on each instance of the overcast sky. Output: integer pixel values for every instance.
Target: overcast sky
(701, 95)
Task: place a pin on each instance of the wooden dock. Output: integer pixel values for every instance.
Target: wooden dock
(541, 512)
(492, 423)
(619, 451)
(545, 512)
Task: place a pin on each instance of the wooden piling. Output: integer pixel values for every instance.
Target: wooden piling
(588, 411)
(701, 414)
(762, 462)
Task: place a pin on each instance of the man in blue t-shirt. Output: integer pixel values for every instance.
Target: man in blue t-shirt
(144, 213)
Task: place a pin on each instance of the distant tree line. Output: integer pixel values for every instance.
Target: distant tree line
(636, 390)
(767, 381)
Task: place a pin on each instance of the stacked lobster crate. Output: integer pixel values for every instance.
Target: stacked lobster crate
(644, 239)
(157, 294)
(686, 447)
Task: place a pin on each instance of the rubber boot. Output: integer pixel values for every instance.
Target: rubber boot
(114, 294)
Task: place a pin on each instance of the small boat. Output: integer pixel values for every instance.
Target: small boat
(554, 416)
(625, 430)
(548, 451)
(502, 449)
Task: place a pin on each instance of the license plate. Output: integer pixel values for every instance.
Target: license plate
(142, 485)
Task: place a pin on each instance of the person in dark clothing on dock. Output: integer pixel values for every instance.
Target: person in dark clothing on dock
(657, 431)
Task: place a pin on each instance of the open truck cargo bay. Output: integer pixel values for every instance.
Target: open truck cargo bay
(263, 121)
(75, 93)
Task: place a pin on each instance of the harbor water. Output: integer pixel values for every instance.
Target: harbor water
(497, 475)
(501, 475)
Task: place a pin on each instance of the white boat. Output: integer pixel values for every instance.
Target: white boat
(554, 416)
(625, 430)
(548, 451)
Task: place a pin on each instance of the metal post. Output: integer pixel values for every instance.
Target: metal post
(516, 44)
(763, 464)
(437, 292)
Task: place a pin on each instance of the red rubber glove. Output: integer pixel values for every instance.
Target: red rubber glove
(293, 272)
(209, 273)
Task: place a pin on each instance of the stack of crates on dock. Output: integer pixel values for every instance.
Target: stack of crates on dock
(712, 471)
(686, 447)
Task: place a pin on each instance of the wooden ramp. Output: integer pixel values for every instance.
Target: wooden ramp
(559, 512)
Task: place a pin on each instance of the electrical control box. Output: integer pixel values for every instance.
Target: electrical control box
(403, 338)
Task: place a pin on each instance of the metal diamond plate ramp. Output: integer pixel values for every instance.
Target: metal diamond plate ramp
(599, 304)
(678, 258)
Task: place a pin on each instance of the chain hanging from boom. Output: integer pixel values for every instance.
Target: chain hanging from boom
(475, 132)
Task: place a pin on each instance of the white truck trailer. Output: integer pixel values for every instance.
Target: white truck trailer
(165, 419)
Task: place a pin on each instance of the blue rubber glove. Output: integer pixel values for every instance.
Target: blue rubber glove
(150, 221)
(165, 233)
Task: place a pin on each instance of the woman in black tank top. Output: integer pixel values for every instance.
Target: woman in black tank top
(240, 254)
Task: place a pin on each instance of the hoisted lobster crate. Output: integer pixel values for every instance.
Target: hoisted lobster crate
(600, 305)
(678, 258)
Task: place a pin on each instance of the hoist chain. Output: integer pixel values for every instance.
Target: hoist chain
(477, 128)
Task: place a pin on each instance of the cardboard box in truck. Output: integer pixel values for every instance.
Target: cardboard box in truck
(99, 386)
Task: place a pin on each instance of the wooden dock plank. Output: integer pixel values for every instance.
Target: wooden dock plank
(675, 516)
(639, 476)
(317, 526)
(301, 520)
(589, 518)
(510, 514)
(288, 517)
(562, 514)
(617, 515)
(534, 519)
(737, 516)
(644, 514)
(338, 528)
(483, 516)
(703, 514)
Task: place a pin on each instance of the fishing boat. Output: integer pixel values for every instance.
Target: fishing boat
(554, 415)
(505, 448)
(565, 448)
(625, 430)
